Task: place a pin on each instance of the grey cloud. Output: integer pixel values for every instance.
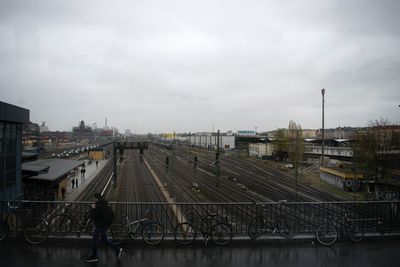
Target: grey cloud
(178, 65)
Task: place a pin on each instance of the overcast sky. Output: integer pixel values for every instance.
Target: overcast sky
(163, 66)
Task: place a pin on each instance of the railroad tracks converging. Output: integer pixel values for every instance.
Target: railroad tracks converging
(243, 198)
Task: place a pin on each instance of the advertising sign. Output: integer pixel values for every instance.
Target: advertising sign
(246, 133)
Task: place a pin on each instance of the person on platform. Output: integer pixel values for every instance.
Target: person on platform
(100, 216)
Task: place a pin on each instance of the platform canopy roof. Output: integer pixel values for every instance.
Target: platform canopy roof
(56, 169)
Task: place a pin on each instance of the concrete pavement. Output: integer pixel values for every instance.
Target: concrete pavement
(59, 253)
(92, 171)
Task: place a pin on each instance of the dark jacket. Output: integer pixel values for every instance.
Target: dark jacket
(99, 213)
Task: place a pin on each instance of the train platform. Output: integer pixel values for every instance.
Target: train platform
(75, 189)
(72, 252)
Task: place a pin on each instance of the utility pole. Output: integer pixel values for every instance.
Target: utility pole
(266, 144)
(190, 145)
(323, 125)
(173, 152)
(115, 166)
(297, 164)
(217, 159)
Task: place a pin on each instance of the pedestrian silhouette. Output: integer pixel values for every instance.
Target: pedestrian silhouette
(100, 215)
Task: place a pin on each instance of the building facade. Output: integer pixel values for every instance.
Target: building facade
(260, 150)
(211, 141)
(11, 120)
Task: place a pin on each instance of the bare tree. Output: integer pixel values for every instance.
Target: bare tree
(281, 144)
(374, 145)
(289, 143)
(295, 142)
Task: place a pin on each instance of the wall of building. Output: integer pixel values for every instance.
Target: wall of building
(342, 179)
(108, 151)
(332, 179)
(209, 141)
(260, 150)
(11, 120)
(64, 183)
(96, 155)
(10, 160)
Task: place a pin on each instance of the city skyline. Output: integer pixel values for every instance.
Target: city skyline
(177, 66)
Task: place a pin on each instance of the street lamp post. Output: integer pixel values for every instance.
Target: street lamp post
(297, 164)
(323, 125)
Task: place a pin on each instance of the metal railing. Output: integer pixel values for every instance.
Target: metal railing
(304, 217)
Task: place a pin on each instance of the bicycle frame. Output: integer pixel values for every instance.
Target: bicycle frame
(13, 217)
(80, 224)
(142, 226)
(274, 225)
(137, 224)
(202, 224)
(35, 228)
(340, 224)
(270, 220)
(327, 233)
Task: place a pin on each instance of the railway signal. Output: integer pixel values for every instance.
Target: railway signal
(195, 162)
(216, 162)
(166, 163)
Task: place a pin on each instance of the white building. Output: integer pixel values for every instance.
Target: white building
(43, 127)
(210, 141)
(259, 150)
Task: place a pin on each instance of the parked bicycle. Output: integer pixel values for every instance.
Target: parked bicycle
(69, 221)
(209, 226)
(376, 225)
(271, 219)
(152, 232)
(34, 227)
(327, 233)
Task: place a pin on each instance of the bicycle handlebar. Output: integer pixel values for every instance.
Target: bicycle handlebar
(11, 206)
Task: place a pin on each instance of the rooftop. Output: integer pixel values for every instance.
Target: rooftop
(57, 168)
(13, 113)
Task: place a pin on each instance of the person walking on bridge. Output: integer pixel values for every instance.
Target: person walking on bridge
(100, 215)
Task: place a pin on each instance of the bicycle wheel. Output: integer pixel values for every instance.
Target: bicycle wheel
(256, 227)
(153, 233)
(4, 230)
(355, 232)
(60, 224)
(286, 229)
(221, 234)
(119, 233)
(184, 234)
(36, 230)
(326, 234)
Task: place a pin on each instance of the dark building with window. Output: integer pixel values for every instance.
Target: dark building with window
(82, 132)
(11, 120)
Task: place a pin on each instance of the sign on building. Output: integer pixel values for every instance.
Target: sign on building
(246, 133)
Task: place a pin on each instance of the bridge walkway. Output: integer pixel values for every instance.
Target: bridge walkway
(59, 253)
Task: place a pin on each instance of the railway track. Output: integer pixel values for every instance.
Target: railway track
(256, 176)
(138, 186)
(211, 188)
(269, 183)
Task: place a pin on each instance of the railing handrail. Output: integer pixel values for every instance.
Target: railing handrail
(305, 217)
